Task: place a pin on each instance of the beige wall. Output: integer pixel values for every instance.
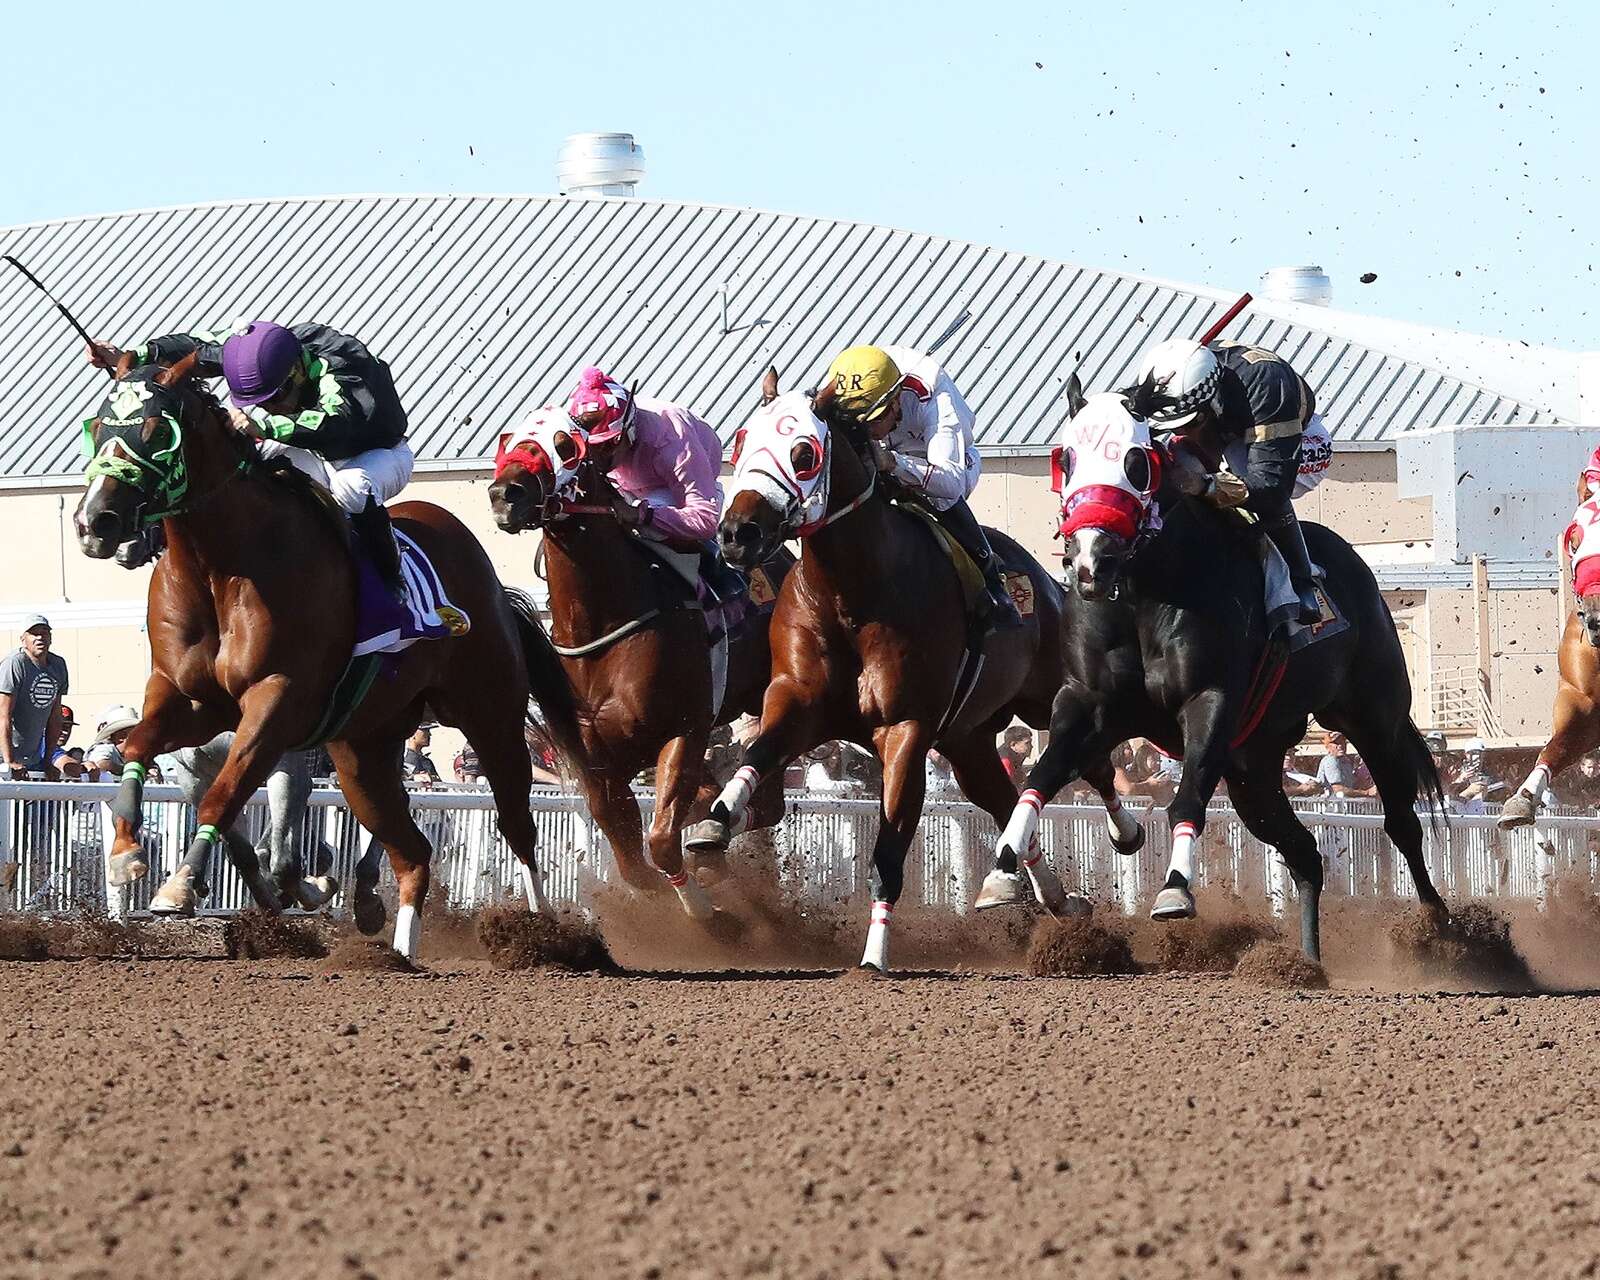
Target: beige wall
(109, 663)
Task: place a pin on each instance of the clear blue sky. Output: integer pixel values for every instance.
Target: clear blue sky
(1450, 148)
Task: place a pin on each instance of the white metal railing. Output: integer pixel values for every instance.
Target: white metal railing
(56, 835)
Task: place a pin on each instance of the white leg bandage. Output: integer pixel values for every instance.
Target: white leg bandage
(1184, 836)
(407, 931)
(537, 902)
(736, 795)
(1538, 782)
(1021, 833)
(1122, 824)
(877, 950)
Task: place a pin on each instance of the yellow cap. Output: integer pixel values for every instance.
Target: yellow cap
(862, 379)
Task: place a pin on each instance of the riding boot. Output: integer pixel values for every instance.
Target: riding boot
(376, 536)
(1291, 543)
(998, 609)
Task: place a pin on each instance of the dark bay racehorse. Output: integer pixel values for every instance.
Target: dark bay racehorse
(868, 641)
(251, 621)
(639, 662)
(1164, 637)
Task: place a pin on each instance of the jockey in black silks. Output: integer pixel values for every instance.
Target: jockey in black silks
(1260, 407)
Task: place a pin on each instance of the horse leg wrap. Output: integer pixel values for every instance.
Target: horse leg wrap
(1127, 836)
(729, 814)
(1175, 901)
(537, 902)
(129, 804)
(876, 955)
(407, 930)
(694, 899)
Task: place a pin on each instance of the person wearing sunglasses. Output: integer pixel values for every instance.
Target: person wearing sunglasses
(316, 397)
(923, 429)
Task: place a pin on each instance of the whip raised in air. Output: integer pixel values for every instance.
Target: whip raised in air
(67, 315)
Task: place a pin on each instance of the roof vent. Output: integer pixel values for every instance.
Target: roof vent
(1309, 285)
(599, 164)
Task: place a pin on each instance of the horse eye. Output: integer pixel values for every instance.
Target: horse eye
(738, 446)
(805, 459)
(1136, 466)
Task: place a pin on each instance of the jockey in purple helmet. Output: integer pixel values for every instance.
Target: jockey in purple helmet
(319, 399)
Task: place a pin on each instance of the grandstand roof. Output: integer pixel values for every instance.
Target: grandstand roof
(484, 305)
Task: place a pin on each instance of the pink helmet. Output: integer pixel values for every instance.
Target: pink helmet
(601, 407)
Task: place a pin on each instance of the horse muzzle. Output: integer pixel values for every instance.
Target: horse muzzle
(743, 543)
(1589, 616)
(100, 534)
(1092, 566)
(512, 505)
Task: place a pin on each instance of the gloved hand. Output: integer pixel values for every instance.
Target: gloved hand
(631, 514)
(1226, 490)
(1186, 473)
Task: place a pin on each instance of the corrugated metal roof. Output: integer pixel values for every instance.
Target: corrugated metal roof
(486, 304)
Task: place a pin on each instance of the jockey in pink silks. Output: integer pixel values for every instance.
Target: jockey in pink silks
(663, 461)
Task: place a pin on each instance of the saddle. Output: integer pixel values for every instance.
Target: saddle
(973, 591)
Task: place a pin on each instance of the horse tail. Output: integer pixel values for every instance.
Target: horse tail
(1414, 747)
(548, 685)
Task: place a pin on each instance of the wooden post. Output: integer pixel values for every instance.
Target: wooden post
(1480, 613)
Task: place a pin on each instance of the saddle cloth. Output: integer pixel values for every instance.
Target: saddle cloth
(726, 598)
(384, 624)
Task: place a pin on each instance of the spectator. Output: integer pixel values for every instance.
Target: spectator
(1340, 773)
(467, 768)
(32, 683)
(1300, 777)
(825, 774)
(542, 756)
(68, 762)
(420, 770)
(1579, 787)
(103, 760)
(1016, 753)
(1470, 784)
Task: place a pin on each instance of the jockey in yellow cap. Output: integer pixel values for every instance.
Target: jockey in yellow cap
(923, 428)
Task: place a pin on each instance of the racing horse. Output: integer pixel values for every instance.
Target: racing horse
(1165, 637)
(252, 617)
(1575, 720)
(871, 643)
(643, 671)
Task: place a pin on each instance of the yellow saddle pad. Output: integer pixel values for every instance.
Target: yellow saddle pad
(973, 589)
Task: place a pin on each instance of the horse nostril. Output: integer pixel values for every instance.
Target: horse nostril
(512, 493)
(747, 535)
(105, 525)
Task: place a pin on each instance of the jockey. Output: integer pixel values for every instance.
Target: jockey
(319, 399)
(1589, 477)
(923, 427)
(1260, 407)
(662, 460)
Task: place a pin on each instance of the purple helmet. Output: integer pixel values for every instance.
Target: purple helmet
(258, 361)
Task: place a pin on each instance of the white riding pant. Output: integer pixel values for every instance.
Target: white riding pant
(377, 473)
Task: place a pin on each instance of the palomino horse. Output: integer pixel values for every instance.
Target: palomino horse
(869, 639)
(642, 669)
(251, 621)
(1575, 720)
(1165, 638)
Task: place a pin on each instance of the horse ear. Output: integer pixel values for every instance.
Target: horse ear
(173, 374)
(769, 385)
(823, 400)
(124, 365)
(1075, 397)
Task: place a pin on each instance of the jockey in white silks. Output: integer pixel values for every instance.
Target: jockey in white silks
(924, 431)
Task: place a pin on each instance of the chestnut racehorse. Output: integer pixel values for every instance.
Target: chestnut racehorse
(868, 642)
(639, 661)
(1575, 720)
(251, 620)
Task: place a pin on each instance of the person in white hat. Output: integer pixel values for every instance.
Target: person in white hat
(104, 759)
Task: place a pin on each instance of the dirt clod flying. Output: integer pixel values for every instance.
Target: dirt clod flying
(516, 938)
(1471, 949)
(366, 955)
(1091, 947)
(255, 935)
(1272, 964)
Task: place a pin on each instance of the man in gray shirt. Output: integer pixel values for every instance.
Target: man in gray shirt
(32, 682)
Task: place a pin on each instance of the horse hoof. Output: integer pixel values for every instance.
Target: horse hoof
(370, 913)
(696, 905)
(312, 893)
(1173, 903)
(1001, 889)
(710, 836)
(176, 896)
(1073, 906)
(869, 970)
(1519, 811)
(1127, 848)
(125, 868)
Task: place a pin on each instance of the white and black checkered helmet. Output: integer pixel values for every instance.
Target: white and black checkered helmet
(1184, 377)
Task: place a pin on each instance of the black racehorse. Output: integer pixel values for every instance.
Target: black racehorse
(1165, 637)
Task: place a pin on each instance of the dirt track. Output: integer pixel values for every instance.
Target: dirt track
(483, 1123)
